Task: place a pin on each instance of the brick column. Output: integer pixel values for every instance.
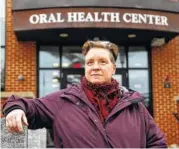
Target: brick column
(20, 59)
(165, 61)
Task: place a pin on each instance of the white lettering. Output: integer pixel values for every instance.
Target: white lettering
(52, 18)
(43, 18)
(142, 18)
(134, 18)
(164, 20)
(105, 16)
(150, 17)
(89, 18)
(81, 17)
(34, 19)
(115, 17)
(59, 17)
(127, 17)
(157, 20)
(72, 17)
(96, 16)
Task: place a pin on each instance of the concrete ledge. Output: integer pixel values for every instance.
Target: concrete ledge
(27, 139)
(12, 140)
(21, 94)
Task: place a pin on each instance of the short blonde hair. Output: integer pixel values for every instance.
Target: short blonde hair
(113, 48)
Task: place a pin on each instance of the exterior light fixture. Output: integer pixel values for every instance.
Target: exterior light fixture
(157, 42)
(96, 38)
(20, 78)
(63, 35)
(132, 36)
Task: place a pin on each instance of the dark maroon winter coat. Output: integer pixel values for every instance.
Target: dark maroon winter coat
(76, 123)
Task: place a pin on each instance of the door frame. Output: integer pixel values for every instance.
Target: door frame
(66, 71)
(81, 71)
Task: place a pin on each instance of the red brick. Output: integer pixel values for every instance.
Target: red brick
(163, 98)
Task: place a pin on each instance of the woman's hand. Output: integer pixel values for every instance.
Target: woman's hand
(15, 120)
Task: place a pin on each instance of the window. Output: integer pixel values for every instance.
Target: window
(49, 72)
(2, 43)
(138, 57)
(121, 59)
(72, 57)
(139, 81)
(138, 71)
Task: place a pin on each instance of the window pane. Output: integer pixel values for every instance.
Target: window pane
(49, 81)
(139, 81)
(121, 59)
(118, 77)
(138, 57)
(72, 57)
(2, 43)
(2, 68)
(2, 7)
(49, 57)
(73, 79)
(2, 31)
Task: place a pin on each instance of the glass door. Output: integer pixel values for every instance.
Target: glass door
(121, 77)
(74, 76)
(71, 76)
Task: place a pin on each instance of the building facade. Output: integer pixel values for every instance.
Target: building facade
(43, 42)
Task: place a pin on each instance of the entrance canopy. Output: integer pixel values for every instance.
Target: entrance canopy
(82, 23)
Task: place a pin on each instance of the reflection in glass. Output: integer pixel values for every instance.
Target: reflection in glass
(2, 8)
(2, 31)
(72, 57)
(2, 43)
(49, 81)
(73, 79)
(2, 68)
(118, 77)
(139, 81)
(138, 57)
(49, 57)
(121, 59)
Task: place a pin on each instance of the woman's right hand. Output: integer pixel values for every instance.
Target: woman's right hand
(15, 120)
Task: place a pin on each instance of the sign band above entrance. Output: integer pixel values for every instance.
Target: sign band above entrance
(59, 18)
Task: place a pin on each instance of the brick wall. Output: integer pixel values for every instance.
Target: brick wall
(165, 61)
(20, 59)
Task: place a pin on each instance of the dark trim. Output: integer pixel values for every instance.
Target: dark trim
(47, 68)
(37, 70)
(159, 5)
(60, 55)
(127, 59)
(123, 72)
(150, 80)
(4, 78)
(138, 68)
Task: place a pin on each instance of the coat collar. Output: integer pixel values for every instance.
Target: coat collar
(75, 94)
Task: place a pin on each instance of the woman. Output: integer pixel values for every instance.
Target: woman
(97, 113)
